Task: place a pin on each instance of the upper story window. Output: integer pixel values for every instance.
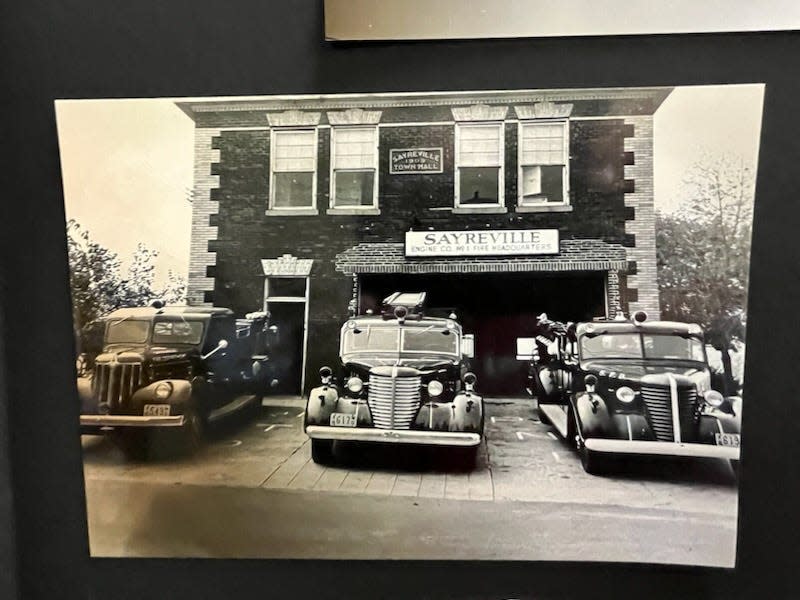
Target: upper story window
(293, 169)
(354, 166)
(543, 163)
(479, 165)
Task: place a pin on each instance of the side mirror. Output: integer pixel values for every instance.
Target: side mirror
(468, 345)
(273, 329)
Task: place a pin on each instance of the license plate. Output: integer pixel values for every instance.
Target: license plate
(343, 420)
(156, 410)
(727, 439)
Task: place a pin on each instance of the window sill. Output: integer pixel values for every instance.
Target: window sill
(353, 210)
(291, 212)
(544, 208)
(468, 210)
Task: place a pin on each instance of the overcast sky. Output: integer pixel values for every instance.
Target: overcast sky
(127, 164)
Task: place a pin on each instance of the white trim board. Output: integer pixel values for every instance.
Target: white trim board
(455, 19)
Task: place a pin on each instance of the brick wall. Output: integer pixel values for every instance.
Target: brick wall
(231, 232)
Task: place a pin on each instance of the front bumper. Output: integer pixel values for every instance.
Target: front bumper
(644, 447)
(131, 421)
(395, 436)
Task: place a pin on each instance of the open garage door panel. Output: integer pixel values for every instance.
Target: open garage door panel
(498, 309)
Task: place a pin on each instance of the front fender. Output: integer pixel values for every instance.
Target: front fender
(467, 413)
(88, 402)
(594, 418)
(180, 397)
(321, 403)
(715, 422)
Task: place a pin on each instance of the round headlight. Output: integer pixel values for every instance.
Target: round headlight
(163, 390)
(625, 394)
(713, 398)
(355, 385)
(435, 388)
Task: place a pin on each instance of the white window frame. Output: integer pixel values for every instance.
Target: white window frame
(312, 209)
(375, 169)
(521, 201)
(293, 300)
(501, 202)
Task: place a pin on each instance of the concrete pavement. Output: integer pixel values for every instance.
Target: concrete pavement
(528, 495)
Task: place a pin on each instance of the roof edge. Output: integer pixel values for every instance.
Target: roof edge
(192, 106)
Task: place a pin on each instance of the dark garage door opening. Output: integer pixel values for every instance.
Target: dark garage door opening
(498, 308)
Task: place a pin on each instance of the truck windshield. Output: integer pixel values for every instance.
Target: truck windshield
(127, 331)
(177, 332)
(429, 339)
(673, 346)
(635, 345)
(415, 340)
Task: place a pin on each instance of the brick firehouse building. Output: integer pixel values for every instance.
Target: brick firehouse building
(501, 205)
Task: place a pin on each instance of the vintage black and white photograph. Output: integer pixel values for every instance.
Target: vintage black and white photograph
(479, 325)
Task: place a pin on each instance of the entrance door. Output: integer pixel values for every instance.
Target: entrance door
(286, 299)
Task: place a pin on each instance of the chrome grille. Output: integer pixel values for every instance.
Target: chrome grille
(658, 402)
(114, 383)
(393, 401)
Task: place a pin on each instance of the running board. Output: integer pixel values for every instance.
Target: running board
(233, 406)
(557, 416)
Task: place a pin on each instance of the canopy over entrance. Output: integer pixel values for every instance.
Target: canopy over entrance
(574, 255)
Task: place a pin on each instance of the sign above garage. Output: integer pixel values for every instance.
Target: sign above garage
(507, 242)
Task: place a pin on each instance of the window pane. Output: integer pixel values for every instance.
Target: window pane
(177, 332)
(479, 146)
(294, 150)
(354, 148)
(292, 190)
(542, 184)
(553, 183)
(478, 185)
(531, 181)
(127, 331)
(354, 188)
(372, 339)
(286, 286)
(543, 144)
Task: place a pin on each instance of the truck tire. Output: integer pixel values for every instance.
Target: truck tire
(322, 452)
(466, 458)
(170, 442)
(594, 463)
(190, 436)
(133, 443)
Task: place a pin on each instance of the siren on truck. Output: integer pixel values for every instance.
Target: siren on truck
(404, 305)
